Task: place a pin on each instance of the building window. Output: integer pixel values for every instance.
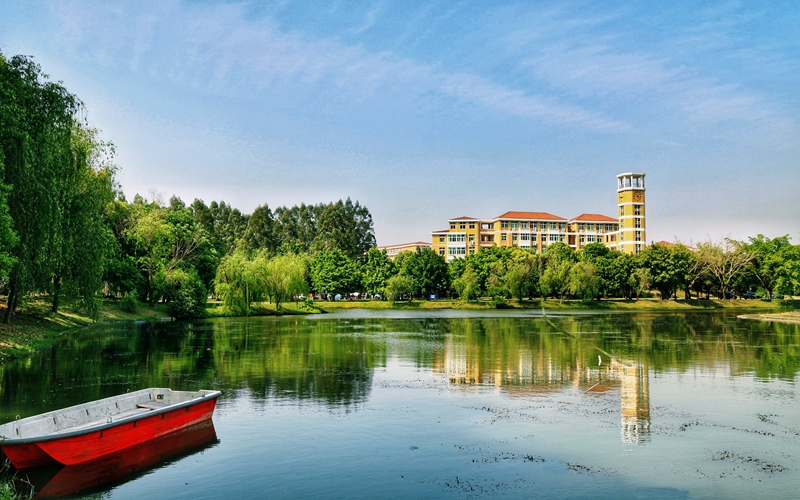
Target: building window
(581, 226)
(504, 224)
(452, 225)
(457, 250)
(621, 211)
(621, 236)
(513, 236)
(562, 225)
(525, 237)
(503, 237)
(582, 240)
(472, 225)
(637, 210)
(638, 223)
(456, 238)
(638, 248)
(553, 237)
(514, 225)
(441, 251)
(471, 250)
(441, 239)
(523, 225)
(462, 225)
(472, 238)
(591, 238)
(616, 227)
(638, 236)
(590, 227)
(533, 226)
(553, 225)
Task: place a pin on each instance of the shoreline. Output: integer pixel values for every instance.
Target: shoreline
(36, 328)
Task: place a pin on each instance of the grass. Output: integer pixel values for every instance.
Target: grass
(10, 489)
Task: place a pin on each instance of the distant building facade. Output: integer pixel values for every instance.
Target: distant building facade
(393, 251)
(536, 230)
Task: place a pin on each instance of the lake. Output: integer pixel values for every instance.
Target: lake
(446, 404)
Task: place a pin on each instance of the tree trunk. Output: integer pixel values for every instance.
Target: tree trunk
(12, 301)
(56, 292)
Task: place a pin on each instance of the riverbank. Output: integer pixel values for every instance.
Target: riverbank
(35, 328)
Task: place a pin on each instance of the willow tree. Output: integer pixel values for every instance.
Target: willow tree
(83, 240)
(37, 118)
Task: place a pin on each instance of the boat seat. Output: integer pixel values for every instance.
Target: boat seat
(152, 406)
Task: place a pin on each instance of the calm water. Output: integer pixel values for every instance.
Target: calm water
(449, 404)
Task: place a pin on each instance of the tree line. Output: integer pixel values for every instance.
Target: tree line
(67, 231)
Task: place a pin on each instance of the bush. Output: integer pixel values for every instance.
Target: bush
(129, 304)
(186, 295)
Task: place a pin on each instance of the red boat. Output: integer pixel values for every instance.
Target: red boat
(91, 430)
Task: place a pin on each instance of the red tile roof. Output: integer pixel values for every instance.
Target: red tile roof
(595, 218)
(464, 218)
(441, 231)
(529, 216)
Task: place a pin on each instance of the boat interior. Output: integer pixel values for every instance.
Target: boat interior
(95, 413)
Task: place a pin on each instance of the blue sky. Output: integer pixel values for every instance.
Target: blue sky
(425, 111)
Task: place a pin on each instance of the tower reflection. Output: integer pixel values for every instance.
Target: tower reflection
(522, 371)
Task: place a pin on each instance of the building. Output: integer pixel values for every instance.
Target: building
(393, 251)
(536, 230)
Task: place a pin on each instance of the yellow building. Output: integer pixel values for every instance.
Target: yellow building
(393, 251)
(536, 230)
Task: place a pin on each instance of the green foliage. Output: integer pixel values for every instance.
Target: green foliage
(583, 281)
(467, 285)
(37, 120)
(558, 261)
(377, 271)
(185, 294)
(286, 278)
(333, 272)
(129, 304)
(397, 286)
(427, 271)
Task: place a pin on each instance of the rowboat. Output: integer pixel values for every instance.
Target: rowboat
(85, 432)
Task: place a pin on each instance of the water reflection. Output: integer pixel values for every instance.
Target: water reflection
(534, 359)
(332, 361)
(124, 465)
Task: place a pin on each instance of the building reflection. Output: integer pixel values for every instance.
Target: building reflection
(526, 372)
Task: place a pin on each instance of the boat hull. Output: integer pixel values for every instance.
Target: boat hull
(80, 447)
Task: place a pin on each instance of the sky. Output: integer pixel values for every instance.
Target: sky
(427, 111)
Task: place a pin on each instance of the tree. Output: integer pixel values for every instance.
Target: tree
(521, 277)
(559, 259)
(377, 271)
(36, 125)
(332, 272)
(583, 282)
(724, 261)
(768, 258)
(83, 241)
(467, 285)
(666, 268)
(397, 286)
(286, 278)
(241, 281)
(427, 271)
(259, 231)
(185, 293)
